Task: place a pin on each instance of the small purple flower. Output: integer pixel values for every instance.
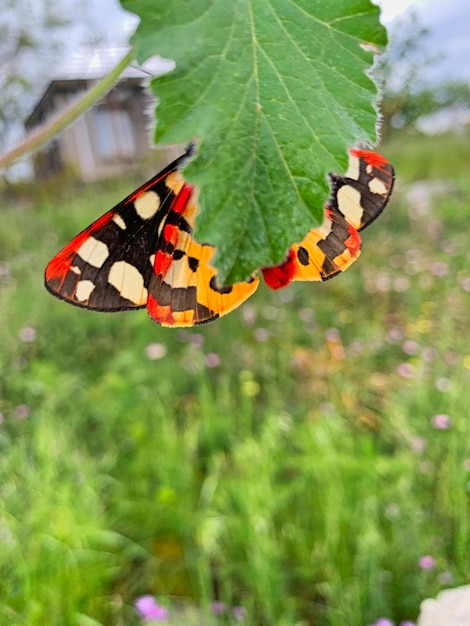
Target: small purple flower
(239, 613)
(27, 334)
(384, 621)
(22, 411)
(406, 623)
(333, 334)
(212, 359)
(395, 334)
(261, 335)
(441, 421)
(148, 608)
(410, 347)
(197, 340)
(427, 562)
(406, 370)
(218, 608)
(356, 347)
(439, 268)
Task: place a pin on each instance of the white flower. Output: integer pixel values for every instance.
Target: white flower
(450, 608)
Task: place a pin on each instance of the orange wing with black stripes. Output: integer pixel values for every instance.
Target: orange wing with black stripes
(142, 254)
(355, 201)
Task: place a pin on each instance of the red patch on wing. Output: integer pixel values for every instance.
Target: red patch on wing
(61, 263)
(353, 243)
(280, 275)
(162, 262)
(171, 234)
(372, 158)
(158, 312)
(182, 199)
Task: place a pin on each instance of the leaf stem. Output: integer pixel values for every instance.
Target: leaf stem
(38, 138)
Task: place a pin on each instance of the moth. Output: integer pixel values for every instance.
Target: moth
(142, 253)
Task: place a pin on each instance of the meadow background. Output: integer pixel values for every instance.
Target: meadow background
(303, 461)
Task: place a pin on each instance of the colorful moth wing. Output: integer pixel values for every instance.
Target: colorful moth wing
(142, 254)
(363, 192)
(356, 200)
(183, 289)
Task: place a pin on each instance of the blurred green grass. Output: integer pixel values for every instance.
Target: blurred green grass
(282, 459)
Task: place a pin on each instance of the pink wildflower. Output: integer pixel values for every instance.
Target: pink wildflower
(441, 421)
(406, 370)
(27, 334)
(148, 608)
(218, 608)
(239, 613)
(22, 411)
(427, 562)
(212, 359)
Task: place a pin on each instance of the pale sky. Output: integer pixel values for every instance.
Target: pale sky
(449, 23)
(390, 9)
(110, 11)
(393, 8)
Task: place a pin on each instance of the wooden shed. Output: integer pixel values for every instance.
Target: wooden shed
(108, 139)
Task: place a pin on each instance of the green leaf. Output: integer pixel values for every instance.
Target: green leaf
(276, 91)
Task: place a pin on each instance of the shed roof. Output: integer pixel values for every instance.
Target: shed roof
(86, 67)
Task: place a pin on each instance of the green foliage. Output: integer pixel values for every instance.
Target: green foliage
(275, 92)
(300, 478)
(422, 158)
(406, 107)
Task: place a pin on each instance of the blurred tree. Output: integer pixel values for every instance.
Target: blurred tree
(408, 92)
(33, 34)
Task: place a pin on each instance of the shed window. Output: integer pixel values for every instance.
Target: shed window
(114, 138)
